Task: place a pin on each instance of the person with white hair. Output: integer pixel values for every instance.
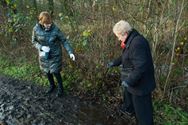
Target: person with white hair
(137, 74)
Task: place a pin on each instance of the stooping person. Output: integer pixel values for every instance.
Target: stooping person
(47, 39)
(137, 75)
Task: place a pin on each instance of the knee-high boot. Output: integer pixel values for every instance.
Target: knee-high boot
(51, 81)
(60, 84)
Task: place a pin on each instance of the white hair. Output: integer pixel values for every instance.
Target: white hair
(121, 27)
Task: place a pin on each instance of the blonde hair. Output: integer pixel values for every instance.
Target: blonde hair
(45, 18)
(122, 27)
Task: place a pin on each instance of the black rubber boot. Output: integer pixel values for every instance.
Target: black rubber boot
(59, 93)
(51, 81)
(60, 90)
(51, 89)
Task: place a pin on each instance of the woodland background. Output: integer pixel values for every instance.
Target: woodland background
(88, 25)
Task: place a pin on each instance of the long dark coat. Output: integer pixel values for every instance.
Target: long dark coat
(137, 65)
(52, 38)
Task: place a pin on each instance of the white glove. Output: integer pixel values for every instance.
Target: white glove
(41, 53)
(45, 48)
(72, 56)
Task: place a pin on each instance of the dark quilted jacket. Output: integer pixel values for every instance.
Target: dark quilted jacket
(52, 38)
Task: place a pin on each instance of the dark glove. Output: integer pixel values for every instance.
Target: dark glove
(124, 83)
(110, 65)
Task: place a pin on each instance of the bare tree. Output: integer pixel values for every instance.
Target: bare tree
(175, 34)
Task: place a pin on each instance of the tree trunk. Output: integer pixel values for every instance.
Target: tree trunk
(51, 7)
(35, 6)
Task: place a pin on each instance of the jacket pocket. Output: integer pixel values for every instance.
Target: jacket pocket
(125, 72)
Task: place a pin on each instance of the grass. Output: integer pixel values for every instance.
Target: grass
(31, 72)
(22, 70)
(166, 114)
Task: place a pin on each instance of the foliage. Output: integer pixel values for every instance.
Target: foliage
(88, 25)
(30, 71)
(166, 114)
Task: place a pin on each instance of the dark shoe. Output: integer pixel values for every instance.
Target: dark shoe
(51, 89)
(126, 111)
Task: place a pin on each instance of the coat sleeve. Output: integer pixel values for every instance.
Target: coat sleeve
(117, 61)
(34, 40)
(139, 60)
(65, 42)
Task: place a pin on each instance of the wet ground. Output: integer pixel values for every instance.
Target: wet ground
(23, 103)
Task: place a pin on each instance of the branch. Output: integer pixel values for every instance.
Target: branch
(174, 44)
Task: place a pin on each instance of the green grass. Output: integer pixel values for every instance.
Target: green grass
(24, 71)
(166, 114)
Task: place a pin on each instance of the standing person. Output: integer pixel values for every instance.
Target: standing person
(47, 39)
(137, 73)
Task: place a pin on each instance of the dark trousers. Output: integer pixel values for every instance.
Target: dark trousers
(141, 105)
(51, 79)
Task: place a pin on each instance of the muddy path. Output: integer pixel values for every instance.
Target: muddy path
(25, 103)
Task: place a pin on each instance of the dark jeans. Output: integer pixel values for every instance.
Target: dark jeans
(51, 79)
(141, 105)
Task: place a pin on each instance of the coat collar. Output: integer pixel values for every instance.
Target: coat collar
(131, 35)
(42, 27)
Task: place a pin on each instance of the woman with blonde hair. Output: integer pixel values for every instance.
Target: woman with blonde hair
(47, 39)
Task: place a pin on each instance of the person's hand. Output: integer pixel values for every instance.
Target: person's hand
(124, 83)
(72, 56)
(110, 65)
(45, 48)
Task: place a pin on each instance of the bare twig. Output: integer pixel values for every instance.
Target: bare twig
(174, 44)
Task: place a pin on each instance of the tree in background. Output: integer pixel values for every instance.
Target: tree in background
(89, 23)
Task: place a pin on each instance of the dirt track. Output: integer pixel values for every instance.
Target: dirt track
(23, 103)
